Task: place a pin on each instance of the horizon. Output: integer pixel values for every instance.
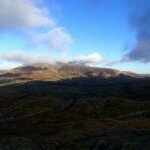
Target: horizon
(105, 34)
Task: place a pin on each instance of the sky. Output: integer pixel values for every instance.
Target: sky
(102, 33)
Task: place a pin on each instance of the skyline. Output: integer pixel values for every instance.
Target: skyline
(100, 33)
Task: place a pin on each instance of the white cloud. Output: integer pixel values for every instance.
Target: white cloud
(28, 16)
(89, 59)
(56, 38)
(21, 57)
(16, 14)
(17, 58)
(26, 58)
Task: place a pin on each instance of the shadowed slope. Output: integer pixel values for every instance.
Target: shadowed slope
(77, 113)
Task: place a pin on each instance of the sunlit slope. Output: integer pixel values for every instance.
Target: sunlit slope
(64, 70)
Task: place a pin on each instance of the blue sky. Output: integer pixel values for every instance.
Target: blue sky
(91, 32)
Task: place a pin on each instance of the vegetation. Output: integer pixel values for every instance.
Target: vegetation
(77, 113)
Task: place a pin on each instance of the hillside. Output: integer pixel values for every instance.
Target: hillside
(81, 113)
(63, 70)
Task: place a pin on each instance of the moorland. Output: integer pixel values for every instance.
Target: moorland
(73, 107)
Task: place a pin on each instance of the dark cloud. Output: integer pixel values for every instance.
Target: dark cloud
(139, 20)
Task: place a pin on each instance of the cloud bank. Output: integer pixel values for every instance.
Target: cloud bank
(139, 21)
(89, 59)
(26, 58)
(22, 58)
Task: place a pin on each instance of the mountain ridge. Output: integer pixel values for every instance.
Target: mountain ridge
(64, 70)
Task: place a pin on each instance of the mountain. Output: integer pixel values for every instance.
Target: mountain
(3, 71)
(64, 70)
(145, 75)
